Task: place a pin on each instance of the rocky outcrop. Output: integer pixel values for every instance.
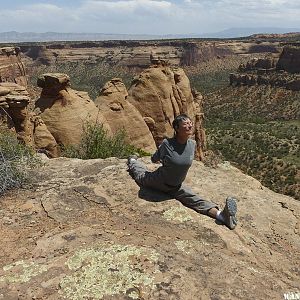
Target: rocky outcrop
(11, 67)
(270, 71)
(194, 54)
(258, 63)
(119, 113)
(160, 93)
(86, 228)
(30, 129)
(288, 81)
(65, 110)
(289, 60)
(14, 100)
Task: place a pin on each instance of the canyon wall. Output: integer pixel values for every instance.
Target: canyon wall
(12, 68)
(289, 60)
(132, 54)
(282, 72)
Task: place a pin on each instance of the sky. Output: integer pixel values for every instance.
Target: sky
(146, 16)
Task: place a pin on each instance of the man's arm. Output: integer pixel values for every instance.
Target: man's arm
(159, 153)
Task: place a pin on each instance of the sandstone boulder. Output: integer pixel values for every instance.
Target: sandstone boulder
(64, 110)
(43, 140)
(152, 93)
(119, 113)
(160, 93)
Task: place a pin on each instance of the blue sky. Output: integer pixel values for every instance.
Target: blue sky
(146, 16)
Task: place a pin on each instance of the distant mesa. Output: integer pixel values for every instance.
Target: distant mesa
(131, 54)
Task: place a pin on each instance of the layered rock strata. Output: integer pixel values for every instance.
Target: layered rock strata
(11, 67)
(119, 113)
(30, 129)
(132, 54)
(64, 110)
(288, 81)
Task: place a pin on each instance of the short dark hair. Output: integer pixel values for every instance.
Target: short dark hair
(178, 119)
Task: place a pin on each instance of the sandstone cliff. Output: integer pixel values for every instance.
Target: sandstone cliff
(282, 72)
(85, 229)
(289, 60)
(131, 54)
(12, 68)
(30, 129)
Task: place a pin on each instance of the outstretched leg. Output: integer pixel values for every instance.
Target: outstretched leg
(188, 198)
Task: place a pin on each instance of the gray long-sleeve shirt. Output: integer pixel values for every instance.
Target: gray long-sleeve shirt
(176, 160)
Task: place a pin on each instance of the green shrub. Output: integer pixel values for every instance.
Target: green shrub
(97, 143)
(15, 161)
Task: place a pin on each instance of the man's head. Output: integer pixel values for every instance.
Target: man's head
(178, 119)
(183, 125)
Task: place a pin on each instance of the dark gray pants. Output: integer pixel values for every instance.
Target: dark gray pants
(184, 194)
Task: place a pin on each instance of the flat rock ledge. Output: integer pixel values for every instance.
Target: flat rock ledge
(86, 230)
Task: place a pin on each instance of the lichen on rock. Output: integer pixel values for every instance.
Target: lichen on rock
(189, 247)
(178, 214)
(22, 271)
(107, 270)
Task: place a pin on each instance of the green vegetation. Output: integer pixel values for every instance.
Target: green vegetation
(210, 82)
(268, 151)
(254, 104)
(97, 143)
(89, 77)
(210, 76)
(15, 160)
(255, 127)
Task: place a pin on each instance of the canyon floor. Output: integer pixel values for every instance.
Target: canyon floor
(86, 230)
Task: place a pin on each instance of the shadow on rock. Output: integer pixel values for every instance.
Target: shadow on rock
(152, 195)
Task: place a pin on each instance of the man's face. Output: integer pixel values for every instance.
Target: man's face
(185, 128)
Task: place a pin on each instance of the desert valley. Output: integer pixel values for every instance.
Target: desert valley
(74, 225)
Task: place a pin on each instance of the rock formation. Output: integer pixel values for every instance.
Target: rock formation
(269, 71)
(86, 228)
(259, 63)
(160, 93)
(11, 67)
(289, 60)
(30, 129)
(119, 113)
(65, 110)
(288, 81)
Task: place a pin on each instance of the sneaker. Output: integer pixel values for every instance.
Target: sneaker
(130, 158)
(229, 213)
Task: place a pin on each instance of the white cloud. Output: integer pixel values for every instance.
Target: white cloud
(151, 16)
(37, 17)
